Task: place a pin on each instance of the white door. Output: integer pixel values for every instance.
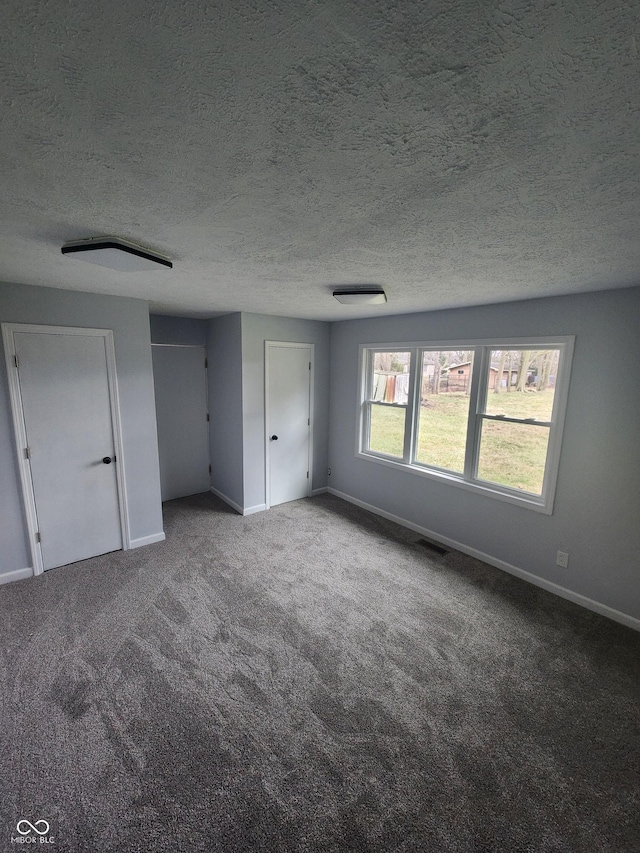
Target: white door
(67, 416)
(180, 380)
(288, 421)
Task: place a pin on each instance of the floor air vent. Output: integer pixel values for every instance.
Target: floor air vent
(432, 546)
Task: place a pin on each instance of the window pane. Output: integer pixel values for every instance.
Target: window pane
(386, 433)
(513, 455)
(390, 382)
(521, 383)
(444, 409)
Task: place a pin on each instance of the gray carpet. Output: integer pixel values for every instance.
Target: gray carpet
(310, 678)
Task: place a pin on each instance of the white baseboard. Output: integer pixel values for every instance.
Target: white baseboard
(321, 491)
(227, 500)
(147, 540)
(549, 586)
(251, 509)
(16, 575)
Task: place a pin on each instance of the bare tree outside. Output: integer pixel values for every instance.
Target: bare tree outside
(523, 368)
(497, 388)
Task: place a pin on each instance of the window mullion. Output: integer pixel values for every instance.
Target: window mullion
(410, 414)
(476, 403)
(416, 386)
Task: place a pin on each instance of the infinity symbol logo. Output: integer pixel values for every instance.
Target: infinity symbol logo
(32, 828)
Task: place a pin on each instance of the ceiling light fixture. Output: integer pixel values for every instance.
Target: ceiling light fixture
(360, 296)
(116, 254)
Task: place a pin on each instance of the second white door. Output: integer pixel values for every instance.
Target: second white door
(288, 421)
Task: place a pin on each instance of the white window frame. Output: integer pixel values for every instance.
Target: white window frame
(408, 406)
(468, 479)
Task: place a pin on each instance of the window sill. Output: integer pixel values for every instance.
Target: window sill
(489, 490)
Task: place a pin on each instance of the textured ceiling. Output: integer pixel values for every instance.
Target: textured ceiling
(455, 153)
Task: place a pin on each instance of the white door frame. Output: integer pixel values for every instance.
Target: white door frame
(20, 433)
(267, 412)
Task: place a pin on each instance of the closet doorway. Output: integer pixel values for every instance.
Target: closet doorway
(180, 380)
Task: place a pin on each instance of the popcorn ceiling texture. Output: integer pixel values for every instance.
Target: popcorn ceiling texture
(456, 153)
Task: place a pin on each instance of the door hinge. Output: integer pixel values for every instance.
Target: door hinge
(15, 360)
(307, 475)
(207, 417)
(27, 453)
(209, 468)
(38, 539)
(308, 421)
(309, 365)
(206, 363)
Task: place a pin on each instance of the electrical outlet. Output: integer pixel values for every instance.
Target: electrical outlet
(562, 559)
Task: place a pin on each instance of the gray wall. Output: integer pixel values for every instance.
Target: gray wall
(235, 345)
(597, 509)
(256, 329)
(224, 349)
(178, 330)
(129, 320)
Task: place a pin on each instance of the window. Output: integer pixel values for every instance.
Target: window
(388, 396)
(487, 416)
(443, 409)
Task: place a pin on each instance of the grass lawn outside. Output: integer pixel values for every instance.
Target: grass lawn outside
(511, 455)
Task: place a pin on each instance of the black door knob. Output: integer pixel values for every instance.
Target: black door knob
(106, 460)
(274, 438)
